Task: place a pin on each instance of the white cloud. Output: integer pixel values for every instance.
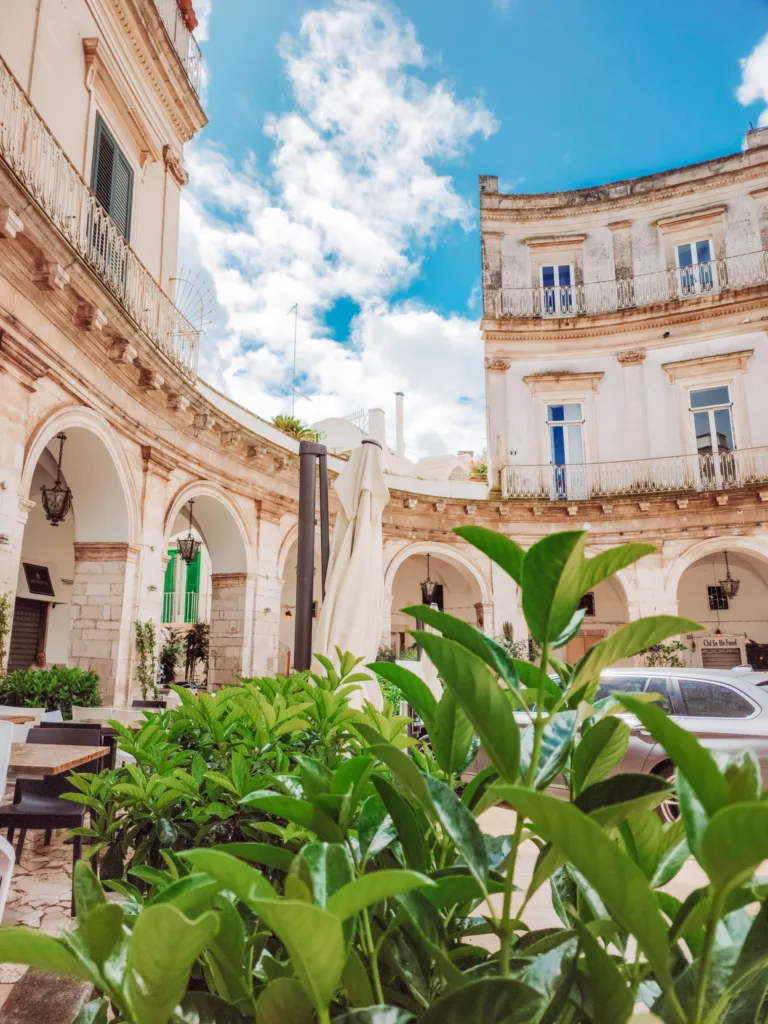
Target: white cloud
(203, 12)
(754, 79)
(346, 209)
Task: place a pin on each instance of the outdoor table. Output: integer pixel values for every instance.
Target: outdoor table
(17, 719)
(42, 759)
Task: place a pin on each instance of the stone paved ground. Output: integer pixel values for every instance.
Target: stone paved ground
(41, 886)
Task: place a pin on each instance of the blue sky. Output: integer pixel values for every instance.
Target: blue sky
(547, 98)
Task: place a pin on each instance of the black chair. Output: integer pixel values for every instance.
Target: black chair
(36, 802)
(148, 704)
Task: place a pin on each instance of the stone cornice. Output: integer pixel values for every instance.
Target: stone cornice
(497, 365)
(175, 166)
(703, 366)
(106, 551)
(554, 241)
(632, 357)
(563, 383)
(704, 215)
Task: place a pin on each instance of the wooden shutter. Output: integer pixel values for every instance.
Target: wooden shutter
(112, 178)
(169, 584)
(25, 634)
(193, 587)
(122, 194)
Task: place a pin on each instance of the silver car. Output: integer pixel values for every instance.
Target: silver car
(726, 710)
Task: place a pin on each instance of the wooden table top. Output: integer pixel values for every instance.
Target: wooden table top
(17, 719)
(52, 758)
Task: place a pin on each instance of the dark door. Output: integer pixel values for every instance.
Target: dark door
(28, 632)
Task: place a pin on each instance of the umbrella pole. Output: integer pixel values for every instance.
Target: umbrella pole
(305, 560)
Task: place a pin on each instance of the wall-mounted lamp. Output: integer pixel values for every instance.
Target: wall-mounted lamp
(4, 538)
(288, 613)
(152, 587)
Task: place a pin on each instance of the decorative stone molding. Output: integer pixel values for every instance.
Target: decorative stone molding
(203, 421)
(644, 506)
(563, 383)
(281, 462)
(694, 218)
(607, 510)
(470, 509)
(121, 351)
(682, 503)
(103, 70)
(25, 507)
(50, 276)
(572, 510)
(230, 437)
(440, 506)
(256, 451)
(174, 164)
(634, 357)
(762, 495)
(409, 503)
(703, 366)
(90, 318)
(106, 551)
(17, 360)
(721, 499)
(178, 402)
(554, 241)
(620, 225)
(156, 460)
(11, 223)
(497, 365)
(150, 380)
(536, 510)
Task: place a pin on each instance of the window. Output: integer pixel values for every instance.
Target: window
(565, 425)
(711, 700)
(556, 293)
(112, 178)
(696, 268)
(610, 684)
(588, 602)
(713, 428)
(718, 600)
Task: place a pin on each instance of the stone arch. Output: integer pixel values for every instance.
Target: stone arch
(751, 546)
(286, 544)
(214, 514)
(448, 553)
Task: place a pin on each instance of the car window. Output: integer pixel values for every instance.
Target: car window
(636, 684)
(711, 700)
(660, 685)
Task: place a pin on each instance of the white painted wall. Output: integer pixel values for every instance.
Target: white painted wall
(460, 592)
(747, 612)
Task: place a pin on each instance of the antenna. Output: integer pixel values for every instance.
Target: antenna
(193, 298)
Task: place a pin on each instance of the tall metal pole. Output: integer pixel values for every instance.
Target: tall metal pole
(325, 540)
(309, 451)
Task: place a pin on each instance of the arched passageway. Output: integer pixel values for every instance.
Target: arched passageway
(606, 610)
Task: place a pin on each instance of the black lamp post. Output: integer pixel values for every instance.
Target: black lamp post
(189, 548)
(57, 500)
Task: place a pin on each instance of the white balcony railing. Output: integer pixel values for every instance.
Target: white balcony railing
(184, 43)
(36, 159)
(637, 476)
(643, 290)
(184, 606)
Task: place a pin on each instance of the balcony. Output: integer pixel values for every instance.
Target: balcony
(184, 43)
(635, 292)
(674, 474)
(38, 162)
(181, 606)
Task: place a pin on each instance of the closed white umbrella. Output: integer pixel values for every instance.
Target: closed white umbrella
(351, 615)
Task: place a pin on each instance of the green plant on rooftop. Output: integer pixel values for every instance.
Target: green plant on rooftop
(365, 890)
(293, 426)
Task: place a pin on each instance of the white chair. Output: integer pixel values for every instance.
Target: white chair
(7, 854)
(52, 716)
(92, 714)
(20, 731)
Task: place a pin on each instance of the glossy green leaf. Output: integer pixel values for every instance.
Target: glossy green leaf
(619, 882)
(375, 828)
(315, 943)
(626, 641)
(372, 888)
(164, 945)
(735, 843)
(610, 801)
(476, 786)
(243, 880)
(283, 1000)
(743, 777)
(324, 868)
(94, 1012)
(492, 1001)
(460, 824)
(482, 698)
(259, 853)
(552, 583)
(452, 735)
(355, 981)
(204, 1008)
(691, 758)
(611, 998)
(608, 563)
(643, 835)
(376, 1015)
(101, 930)
(20, 945)
(408, 831)
(315, 777)
(600, 749)
(412, 687)
(501, 549)
(557, 741)
(301, 812)
(87, 889)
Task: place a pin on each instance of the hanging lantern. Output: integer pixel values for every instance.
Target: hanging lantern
(428, 588)
(189, 548)
(729, 584)
(57, 500)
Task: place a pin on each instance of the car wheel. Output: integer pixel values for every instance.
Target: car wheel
(669, 809)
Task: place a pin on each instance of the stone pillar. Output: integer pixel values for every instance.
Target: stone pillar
(636, 441)
(101, 631)
(507, 605)
(760, 195)
(491, 265)
(267, 601)
(496, 406)
(154, 558)
(232, 606)
(622, 251)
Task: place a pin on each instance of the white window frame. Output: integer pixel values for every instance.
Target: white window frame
(694, 269)
(575, 474)
(561, 308)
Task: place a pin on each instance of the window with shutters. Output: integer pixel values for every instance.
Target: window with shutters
(112, 178)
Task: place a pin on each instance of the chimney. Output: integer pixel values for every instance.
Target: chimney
(377, 428)
(399, 424)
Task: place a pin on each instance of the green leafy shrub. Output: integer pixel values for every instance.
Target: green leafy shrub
(146, 663)
(170, 654)
(6, 618)
(197, 650)
(55, 689)
(366, 880)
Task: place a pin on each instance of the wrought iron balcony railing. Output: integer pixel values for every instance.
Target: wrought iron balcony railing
(35, 158)
(184, 43)
(185, 606)
(677, 473)
(643, 290)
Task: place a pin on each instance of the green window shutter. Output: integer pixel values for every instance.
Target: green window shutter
(193, 587)
(112, 178)
(170, 571)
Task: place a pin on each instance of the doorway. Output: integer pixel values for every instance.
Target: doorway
(30, 623)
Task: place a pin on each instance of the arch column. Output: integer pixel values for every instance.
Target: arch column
(232, 609)
(101, 621)
(267, 601)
